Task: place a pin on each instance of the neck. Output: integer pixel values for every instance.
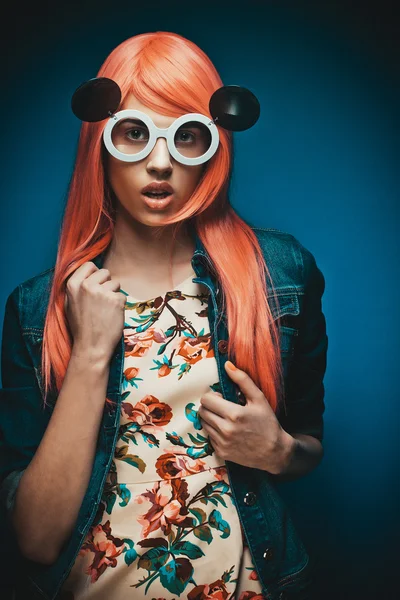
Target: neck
(137, 249)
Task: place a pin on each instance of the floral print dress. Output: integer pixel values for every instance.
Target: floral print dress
(167, 526)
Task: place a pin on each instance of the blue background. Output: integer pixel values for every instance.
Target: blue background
(321, 163)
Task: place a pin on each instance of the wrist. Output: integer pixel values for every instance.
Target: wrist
(88, 358)
(288, 448)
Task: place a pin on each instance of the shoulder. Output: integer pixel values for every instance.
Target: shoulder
(30, 298)
(288, 260)
(272, 239)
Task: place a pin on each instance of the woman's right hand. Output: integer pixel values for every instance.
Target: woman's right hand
(95, 311)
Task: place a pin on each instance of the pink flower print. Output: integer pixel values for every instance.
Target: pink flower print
(167, 507)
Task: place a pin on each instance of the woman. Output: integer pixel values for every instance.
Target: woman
(149, 471)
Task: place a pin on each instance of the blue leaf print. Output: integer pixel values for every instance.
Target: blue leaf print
(176, 574)
(130, 556)
(153, 559)
(131, 382)
(199, 514)
(162, 348)
(197, 452)
(212, 500)
(188, 549)
(215, 520)
(220, 499)
(184, 368)
(221, 486)
(142, 328)
(187, 334)
(139, 319)
(175, 439)
(128, 427)
(159, 363)
(124, 494)
(196, 440)
(191, 415)
(150, 439)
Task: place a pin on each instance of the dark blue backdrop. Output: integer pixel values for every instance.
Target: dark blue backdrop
(322, 164)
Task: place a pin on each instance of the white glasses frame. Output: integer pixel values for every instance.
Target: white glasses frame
(156, 132)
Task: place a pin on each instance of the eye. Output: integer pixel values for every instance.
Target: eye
(135, 133)
(185, 136)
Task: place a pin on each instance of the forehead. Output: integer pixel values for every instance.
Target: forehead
(160, 120)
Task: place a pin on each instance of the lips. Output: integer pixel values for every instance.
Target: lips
(157, 203)
(158, 188)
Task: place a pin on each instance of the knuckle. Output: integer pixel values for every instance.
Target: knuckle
(71, 286)
(236, 416)
(228, 430)
(87, 267)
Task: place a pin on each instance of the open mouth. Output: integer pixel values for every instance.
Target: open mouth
(157, 195)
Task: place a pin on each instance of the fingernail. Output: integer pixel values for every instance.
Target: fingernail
(230, 365)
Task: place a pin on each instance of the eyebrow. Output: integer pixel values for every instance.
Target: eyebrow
(188, 125)
(192, 125)
(134, 121)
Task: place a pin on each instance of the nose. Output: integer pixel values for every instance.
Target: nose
(159, 158)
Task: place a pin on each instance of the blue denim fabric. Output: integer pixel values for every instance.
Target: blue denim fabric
(282, 562)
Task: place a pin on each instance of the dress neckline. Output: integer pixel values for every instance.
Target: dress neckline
(177, 287)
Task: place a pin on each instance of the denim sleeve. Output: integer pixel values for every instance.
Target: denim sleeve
(304, 394)
(22, 418)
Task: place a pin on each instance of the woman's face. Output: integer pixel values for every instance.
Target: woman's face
(128, 179)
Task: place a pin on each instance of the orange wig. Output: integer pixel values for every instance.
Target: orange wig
(173, 76)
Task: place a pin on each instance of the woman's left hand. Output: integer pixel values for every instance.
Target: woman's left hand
(249, 435)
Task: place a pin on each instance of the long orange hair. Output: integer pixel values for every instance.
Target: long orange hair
(171, 75)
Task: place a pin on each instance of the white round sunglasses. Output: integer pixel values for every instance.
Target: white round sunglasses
(195, 151)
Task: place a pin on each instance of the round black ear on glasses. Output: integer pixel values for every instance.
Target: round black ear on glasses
(234, 107)
(95, 99)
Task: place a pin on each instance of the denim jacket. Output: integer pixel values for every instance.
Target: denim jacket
(280, 558)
